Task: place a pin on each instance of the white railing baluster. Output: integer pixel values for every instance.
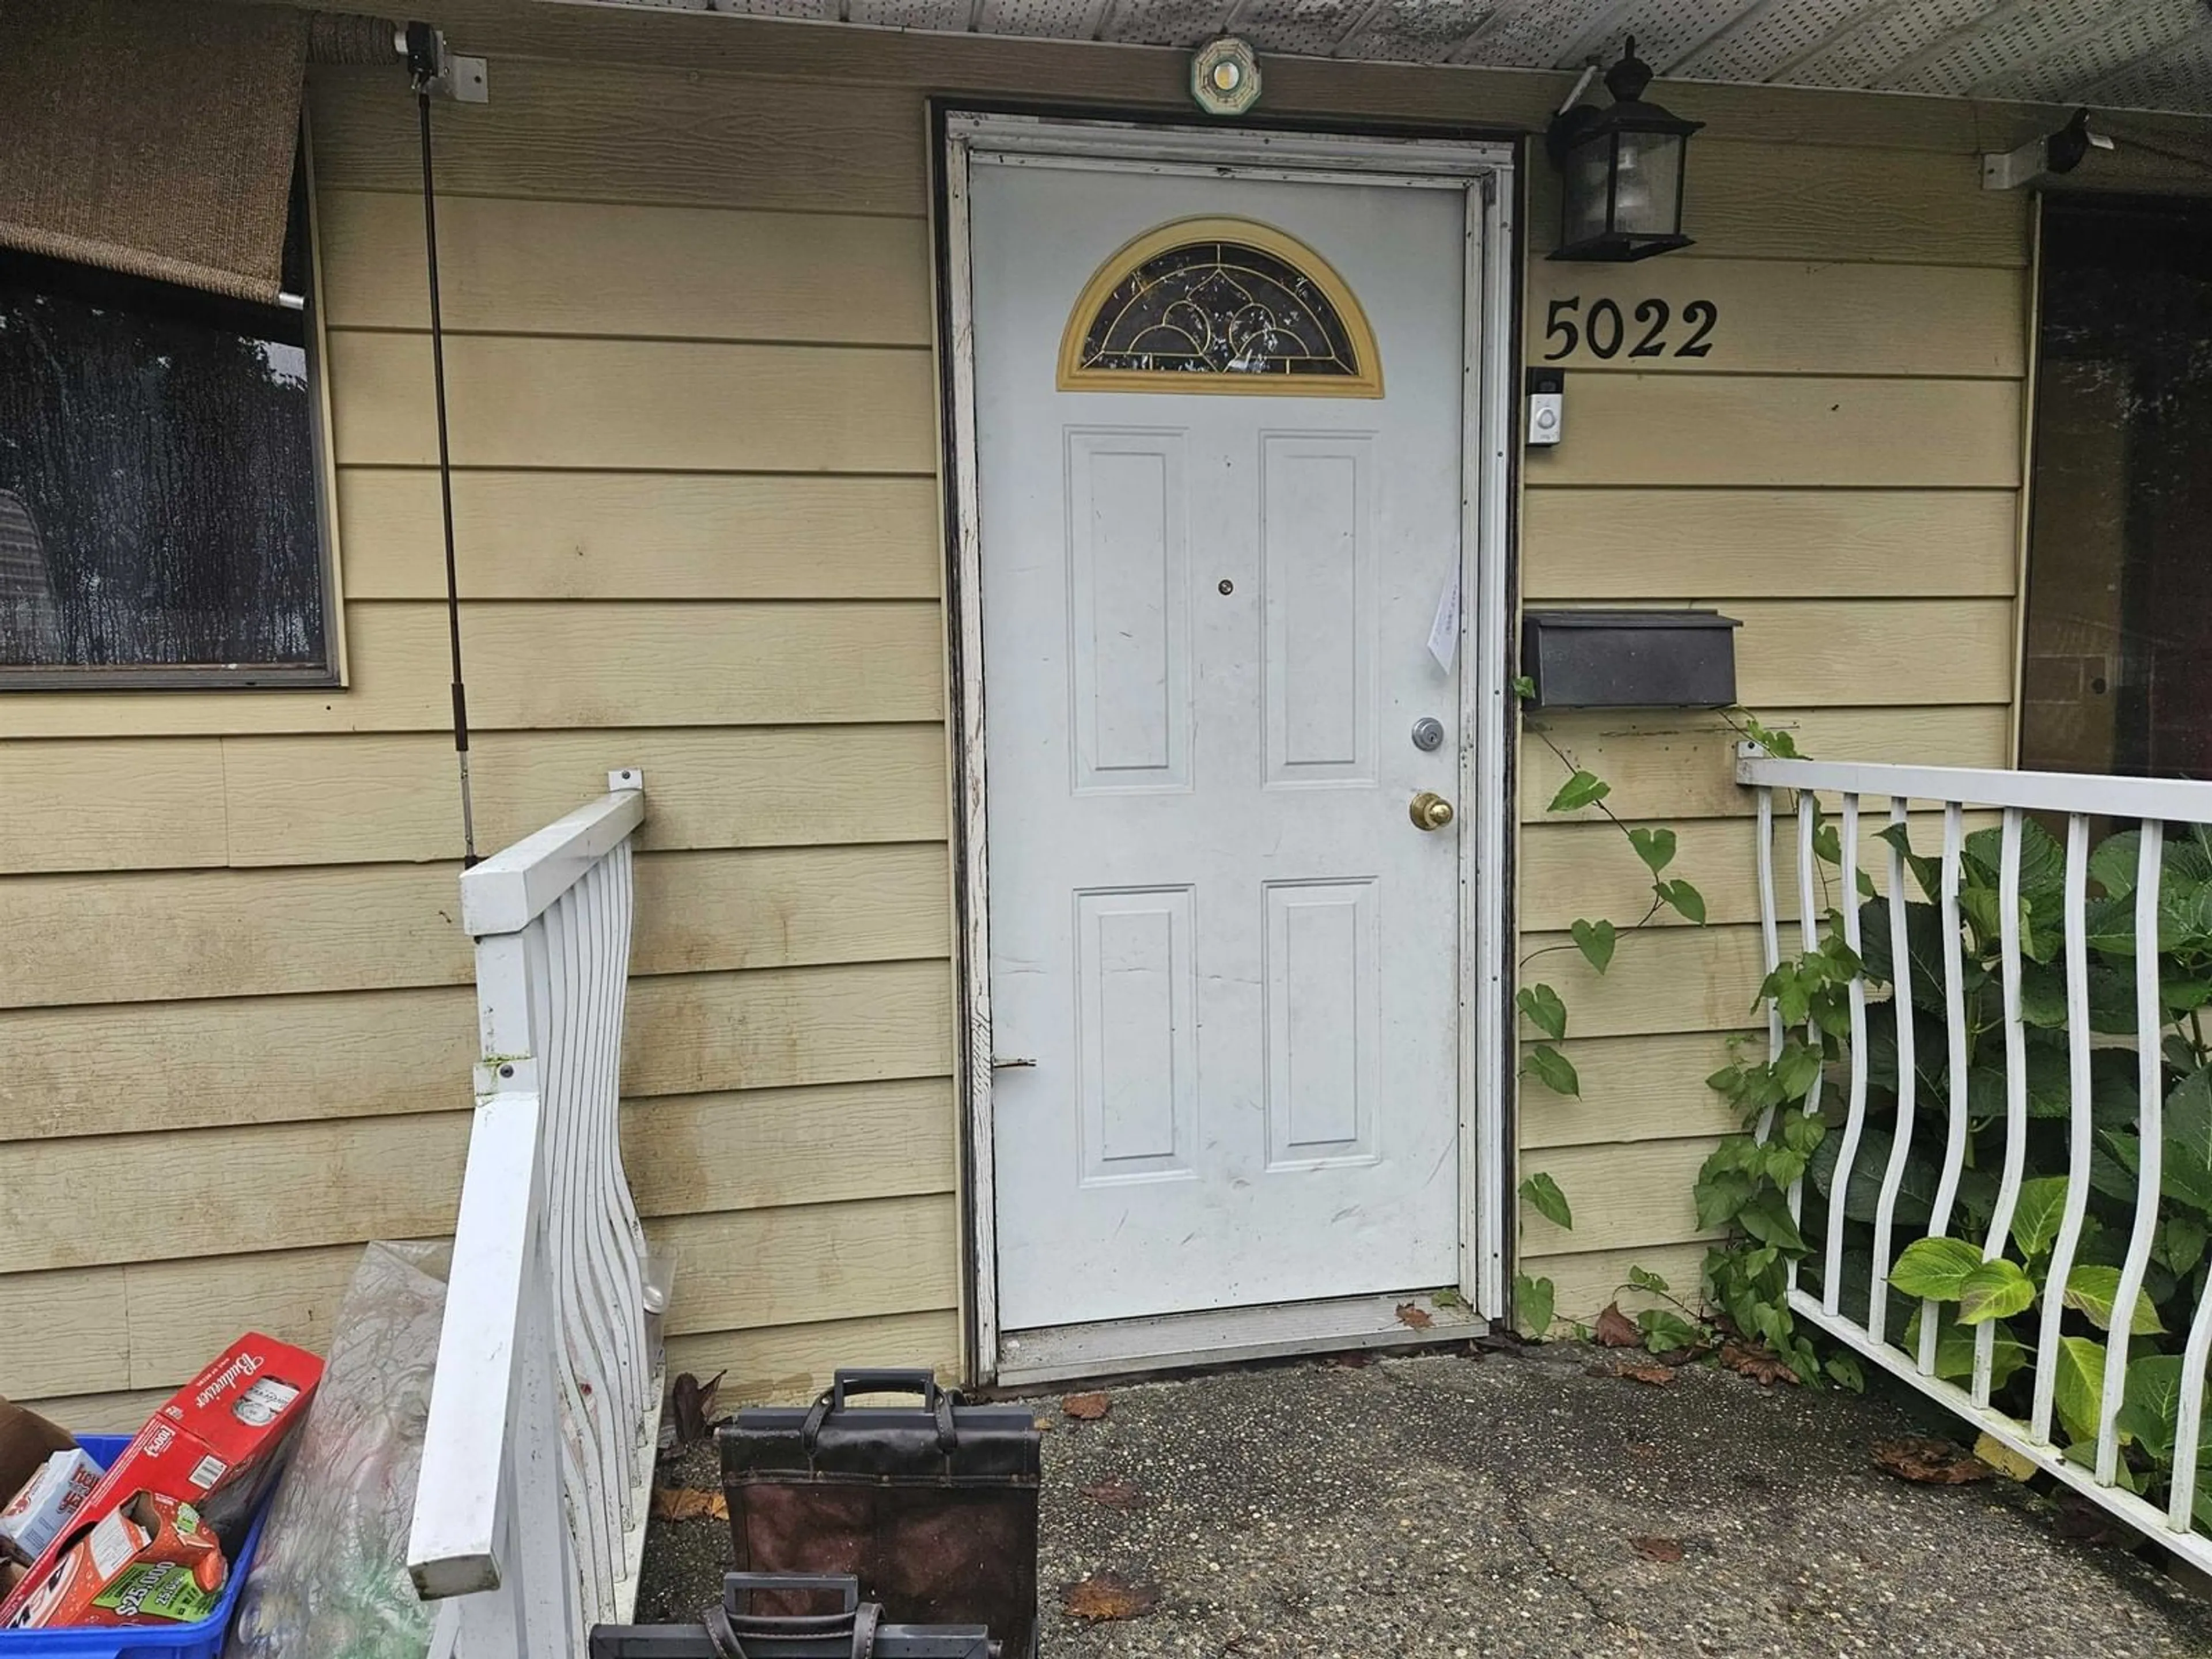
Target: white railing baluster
(1809, 939)
(529, 1510)
(1839, 1184)
(2190, 1423)
(609, 1308)
(1955, 1030)
(1900, 1003)
(1770, 938)
(597, 1278)
(2079, 1124)
(2015, 1042)
(626, 1236)
(2055, 1432)
(2150, 1078)
(592, 1276)
(616, 1312)
(582, 1373)
(623, 1238)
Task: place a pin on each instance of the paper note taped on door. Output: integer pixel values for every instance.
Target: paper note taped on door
(1444, 632)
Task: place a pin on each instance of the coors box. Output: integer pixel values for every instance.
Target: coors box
(216, 1446)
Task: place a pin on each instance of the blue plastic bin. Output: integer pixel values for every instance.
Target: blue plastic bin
(201, 1641)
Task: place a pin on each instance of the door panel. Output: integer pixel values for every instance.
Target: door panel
(1136, 1014)
(1322, 1029)
(1128, 588)
(1317, 572)
(1214, 926)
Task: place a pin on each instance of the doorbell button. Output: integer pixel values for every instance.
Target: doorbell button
(1547, 405)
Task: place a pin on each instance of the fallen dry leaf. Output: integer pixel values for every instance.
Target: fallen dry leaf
(1045, 1425)
(1086, 1407)
(2014, 1466)
(1108, 1595)
(1615, 1329)
(1760, 1363)
(693, 1405)
(1116, 1494)
(1659, 1377)
(1931, 1462)
(1414, 1317)
(689, 1503)
(1668, 1550)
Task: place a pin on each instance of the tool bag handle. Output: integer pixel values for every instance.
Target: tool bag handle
(737, 1587)
(729, 1634)
(934, 1400)
(728, 1627)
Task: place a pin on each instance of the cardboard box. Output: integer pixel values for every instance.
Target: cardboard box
(27, 1441)
(150, 1560)
(35, 1517)
(215, 1446)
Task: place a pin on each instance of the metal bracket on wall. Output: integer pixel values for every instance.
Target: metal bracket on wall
(462, 79)
(2038, 159)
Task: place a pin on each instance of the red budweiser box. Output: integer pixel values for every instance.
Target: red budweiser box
(216, 1446)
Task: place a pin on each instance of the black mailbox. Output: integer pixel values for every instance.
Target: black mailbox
(1630, 659)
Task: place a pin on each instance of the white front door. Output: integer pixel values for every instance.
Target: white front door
(1219, 625)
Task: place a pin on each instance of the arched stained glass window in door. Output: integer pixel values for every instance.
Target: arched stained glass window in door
(1219, 305)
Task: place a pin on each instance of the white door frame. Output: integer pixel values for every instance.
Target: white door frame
(1482, 171)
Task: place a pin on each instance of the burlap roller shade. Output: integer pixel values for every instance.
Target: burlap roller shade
(157, 137)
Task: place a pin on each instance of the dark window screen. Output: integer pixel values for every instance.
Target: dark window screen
(2117, 675)
(158, 480)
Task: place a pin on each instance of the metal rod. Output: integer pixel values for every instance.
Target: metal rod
(446, 479)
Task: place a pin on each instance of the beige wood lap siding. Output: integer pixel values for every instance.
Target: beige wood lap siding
(698, 532)
(1842, 472)
(686, 270)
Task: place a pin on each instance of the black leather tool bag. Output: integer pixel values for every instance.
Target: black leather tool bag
(737, 1631)
(933, 1508)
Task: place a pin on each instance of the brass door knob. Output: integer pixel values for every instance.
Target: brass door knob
(1430, 810)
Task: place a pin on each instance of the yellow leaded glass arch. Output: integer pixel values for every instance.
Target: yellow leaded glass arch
(1219, 305)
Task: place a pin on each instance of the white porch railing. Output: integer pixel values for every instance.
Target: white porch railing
(2129, 1086)
(530, 1512)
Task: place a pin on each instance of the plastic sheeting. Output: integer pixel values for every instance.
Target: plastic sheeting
(330, 1581)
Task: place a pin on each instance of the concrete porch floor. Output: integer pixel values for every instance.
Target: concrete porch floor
(1455, 1506)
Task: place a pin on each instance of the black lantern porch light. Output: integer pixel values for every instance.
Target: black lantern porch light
(1620, 171)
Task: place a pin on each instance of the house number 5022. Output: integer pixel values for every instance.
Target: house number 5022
(1605, 330)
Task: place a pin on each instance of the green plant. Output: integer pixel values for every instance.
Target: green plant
(1999, 1301)
(1744, 1187)
(1535, 1298)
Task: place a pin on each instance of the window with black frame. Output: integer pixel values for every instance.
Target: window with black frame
(2117, 667)
(162, 515)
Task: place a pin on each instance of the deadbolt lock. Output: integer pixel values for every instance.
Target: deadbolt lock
(1430, 810)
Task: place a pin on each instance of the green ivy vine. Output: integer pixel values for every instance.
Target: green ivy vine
(1742, 1190)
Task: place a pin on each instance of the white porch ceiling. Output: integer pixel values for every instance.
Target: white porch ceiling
(2110, 54)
